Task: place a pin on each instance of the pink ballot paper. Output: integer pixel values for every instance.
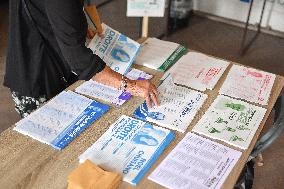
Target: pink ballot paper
(196, 163)
(197, 70)
(248, 84)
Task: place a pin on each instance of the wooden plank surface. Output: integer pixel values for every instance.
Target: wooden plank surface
(27, 163)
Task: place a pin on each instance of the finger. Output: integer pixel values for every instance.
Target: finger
(154, 99)
(148, 101)
(155, 91)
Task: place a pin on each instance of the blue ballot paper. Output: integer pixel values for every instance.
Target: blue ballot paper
(129, 147)
(63, 118)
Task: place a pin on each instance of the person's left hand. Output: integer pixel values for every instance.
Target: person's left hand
(91, 33)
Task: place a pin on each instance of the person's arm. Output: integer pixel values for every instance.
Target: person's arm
(142, 88)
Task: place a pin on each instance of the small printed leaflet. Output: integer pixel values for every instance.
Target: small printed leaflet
(108, 93)
(59, 121)
(158, 54)
(230, 120)
(129, 147)
(140, 8)
(252, 85)
(178, 106)
(196, 163)
(197, 70)
(116, 49)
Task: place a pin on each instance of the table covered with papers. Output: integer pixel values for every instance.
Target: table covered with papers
(27, 163)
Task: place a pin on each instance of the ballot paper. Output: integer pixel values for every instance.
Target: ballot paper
(140, 8)
(248, 84)
(197, 70)
(158, 54)
(59, 121)
(230, 120)
(110, 94)
(129, 147)
(116, 49)
(196, 163)
(178, 106)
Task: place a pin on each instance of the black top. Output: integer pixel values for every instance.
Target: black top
(34, 66)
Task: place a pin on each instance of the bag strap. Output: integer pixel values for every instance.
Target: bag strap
(43, 39)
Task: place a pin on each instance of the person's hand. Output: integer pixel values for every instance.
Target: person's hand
(145, 89)
(91, 33)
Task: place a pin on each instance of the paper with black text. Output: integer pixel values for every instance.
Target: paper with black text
(196, 163)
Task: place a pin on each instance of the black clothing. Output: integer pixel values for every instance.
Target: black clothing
(35, 67)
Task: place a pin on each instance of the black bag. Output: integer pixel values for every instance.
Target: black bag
(55, 77)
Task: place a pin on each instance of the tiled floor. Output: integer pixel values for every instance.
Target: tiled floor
(210, 37)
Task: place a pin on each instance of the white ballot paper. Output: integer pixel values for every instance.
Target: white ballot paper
(178, 106)
(158, 54)
(197, 70)
(248, 84)
(196, 163)
(59, 121)
(110, 94)
(140, 8)
(116, 49)
(230, 120)
(129, 147)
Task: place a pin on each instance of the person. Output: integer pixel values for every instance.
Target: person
(47, 53)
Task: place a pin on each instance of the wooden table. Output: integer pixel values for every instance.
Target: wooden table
(27, 163)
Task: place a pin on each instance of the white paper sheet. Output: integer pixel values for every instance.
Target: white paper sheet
(178, 106)
(129, 147)
(248, 84)
(230, 120)
(60, 120)
(155, 53)
(108, 93)
(197, 70)
(196, 163)
(140, 8)
(117, 50)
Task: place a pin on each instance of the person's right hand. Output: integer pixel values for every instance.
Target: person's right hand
(145, 89)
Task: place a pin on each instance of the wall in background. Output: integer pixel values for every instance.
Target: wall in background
(237, 10)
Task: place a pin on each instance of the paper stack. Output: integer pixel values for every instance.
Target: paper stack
(178, 106)
(59, 121)
(230, 120)
(197, 70)
(129, 147)
(117, 50)
(158, 54)
(196, 163)
(252, 85)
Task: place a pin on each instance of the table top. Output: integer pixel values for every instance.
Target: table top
(27, 163)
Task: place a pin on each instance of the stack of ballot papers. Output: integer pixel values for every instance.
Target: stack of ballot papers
(196, 163)
(129, 147)
(230, 120)
(117, 50)
(90, 176)
(158, 54)
(178, 106)
(252, 85)
(59, 121)
(197, 70)
(110, 94)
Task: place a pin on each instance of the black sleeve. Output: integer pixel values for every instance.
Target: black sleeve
(69, 25)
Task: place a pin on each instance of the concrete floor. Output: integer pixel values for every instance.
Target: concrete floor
(211, 37)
